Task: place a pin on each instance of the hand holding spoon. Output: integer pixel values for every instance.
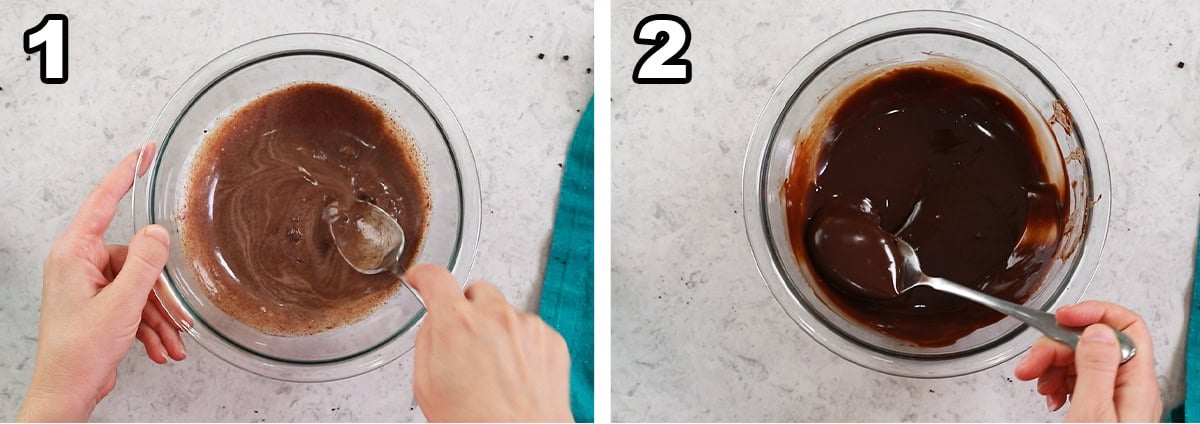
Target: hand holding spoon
(853, 252)
(368, 239)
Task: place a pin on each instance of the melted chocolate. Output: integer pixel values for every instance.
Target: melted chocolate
(853, 252)
(949, 165)
(252, 223)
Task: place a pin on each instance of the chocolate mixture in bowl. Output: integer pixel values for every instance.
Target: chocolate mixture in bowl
(948, 164)
(252, 225)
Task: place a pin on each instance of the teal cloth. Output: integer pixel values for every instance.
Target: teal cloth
(1190, 410)
(570, 282)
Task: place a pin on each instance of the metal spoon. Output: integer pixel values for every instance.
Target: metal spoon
(912, 276)
(368, 239)
(854, 253)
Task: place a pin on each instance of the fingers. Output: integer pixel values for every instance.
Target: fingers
(1056, 400)
(1052, 381)
(1039, 359)
(1048, 362)
(1091, 312)
(171, 318)
(1096, 360)
(436, 286)
(159, 337)
(98, 209)
(143, 264)
(1091, 374)
(1044, 354)
(146, 157)
(154, 346)
(1137, 382)
(166, 331)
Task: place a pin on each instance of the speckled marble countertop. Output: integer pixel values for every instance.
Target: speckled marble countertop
(696, 333)
(127, 58)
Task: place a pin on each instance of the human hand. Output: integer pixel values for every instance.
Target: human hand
(479, 359)
(95, 299)
(1099, 387)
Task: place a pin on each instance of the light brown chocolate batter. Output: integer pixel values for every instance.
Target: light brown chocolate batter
(252, 221)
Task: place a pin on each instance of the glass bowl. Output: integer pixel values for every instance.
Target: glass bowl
(1018, 68)
(243, 74)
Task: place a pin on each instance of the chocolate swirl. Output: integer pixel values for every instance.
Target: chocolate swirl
(252, 223)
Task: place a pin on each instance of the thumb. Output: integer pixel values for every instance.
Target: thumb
(143, 264)
(1096, 360)
(436, 286)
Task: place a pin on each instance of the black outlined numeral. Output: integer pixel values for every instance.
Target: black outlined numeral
(49, 41)
(662, 64)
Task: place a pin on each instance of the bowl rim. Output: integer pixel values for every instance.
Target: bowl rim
(360, 53)
(766, 131)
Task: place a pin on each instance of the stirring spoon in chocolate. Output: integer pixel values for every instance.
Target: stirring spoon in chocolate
(853, 252)
(368, 239)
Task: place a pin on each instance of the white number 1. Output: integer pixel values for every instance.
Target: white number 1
(49, 40)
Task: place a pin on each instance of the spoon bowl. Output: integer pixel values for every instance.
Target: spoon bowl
(368, 239)
(365, 236)
(851, 250)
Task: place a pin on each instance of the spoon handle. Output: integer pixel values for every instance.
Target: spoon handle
(398, 271)
(1042, 321)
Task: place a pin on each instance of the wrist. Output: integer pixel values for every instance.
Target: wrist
(44, 404)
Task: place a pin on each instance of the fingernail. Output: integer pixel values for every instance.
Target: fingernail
(1050, 404)
(1099, 333)
(158, 232)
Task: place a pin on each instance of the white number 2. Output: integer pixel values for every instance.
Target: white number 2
(49, 40)
(662, 64)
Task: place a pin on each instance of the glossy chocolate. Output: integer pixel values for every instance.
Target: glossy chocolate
(948, 164)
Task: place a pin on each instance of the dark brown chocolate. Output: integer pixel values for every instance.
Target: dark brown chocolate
(252, 222)
(853, 253)
(944, 162)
